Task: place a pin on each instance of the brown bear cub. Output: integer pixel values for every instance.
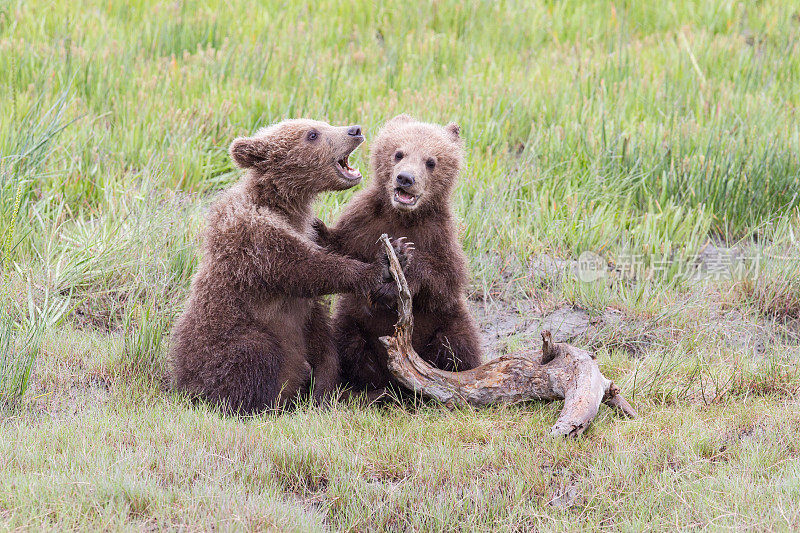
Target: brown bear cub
(415, 166)
(255, 334)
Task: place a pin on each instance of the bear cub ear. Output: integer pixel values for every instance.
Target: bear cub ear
(454, 131)
(246, 152)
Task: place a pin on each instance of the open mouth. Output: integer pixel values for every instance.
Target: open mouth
(405, 198)
(346, 171)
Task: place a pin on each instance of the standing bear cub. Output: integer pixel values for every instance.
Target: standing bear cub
(254, 333)
(415, 167)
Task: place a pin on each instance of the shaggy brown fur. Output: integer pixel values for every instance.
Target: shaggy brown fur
(254, 333)
(415, 167)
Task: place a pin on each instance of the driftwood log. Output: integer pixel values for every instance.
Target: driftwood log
(556, 372)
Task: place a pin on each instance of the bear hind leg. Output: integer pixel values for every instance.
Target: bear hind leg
(454, 346)
(321, 354)
(254, 374)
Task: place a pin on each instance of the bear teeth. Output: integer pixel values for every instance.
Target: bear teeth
(344, 163)
(404, 197)
(346, 170)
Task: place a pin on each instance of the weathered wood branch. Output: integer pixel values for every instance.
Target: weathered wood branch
(556, 372)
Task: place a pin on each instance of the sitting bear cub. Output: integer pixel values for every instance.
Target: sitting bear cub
(415, 167)
(254, 333)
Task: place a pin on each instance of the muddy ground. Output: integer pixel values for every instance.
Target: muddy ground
(508, 324)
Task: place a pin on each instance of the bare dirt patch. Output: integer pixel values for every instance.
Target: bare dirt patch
(501, 321)
(507, 324)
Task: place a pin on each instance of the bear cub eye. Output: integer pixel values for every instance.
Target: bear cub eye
(398, 156)
(430, 163)
(312, 135)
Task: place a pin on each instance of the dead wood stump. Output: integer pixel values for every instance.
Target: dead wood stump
(556, 372)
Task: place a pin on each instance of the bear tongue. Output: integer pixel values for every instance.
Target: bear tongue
(347, 170)
(352, 173)
(404, 196)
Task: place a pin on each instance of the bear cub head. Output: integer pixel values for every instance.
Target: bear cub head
(416, 164)
(313, 153)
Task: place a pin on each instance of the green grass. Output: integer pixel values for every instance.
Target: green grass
(636, 130)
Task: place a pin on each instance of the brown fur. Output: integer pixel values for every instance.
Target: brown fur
(254, 332)
(444, 332)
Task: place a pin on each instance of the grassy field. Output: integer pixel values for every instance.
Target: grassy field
(661, 136)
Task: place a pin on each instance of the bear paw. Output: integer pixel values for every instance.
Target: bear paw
(384, 296)
(403, 250)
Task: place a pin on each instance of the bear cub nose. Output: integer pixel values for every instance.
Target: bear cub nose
(405, 179)
(355, 131)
